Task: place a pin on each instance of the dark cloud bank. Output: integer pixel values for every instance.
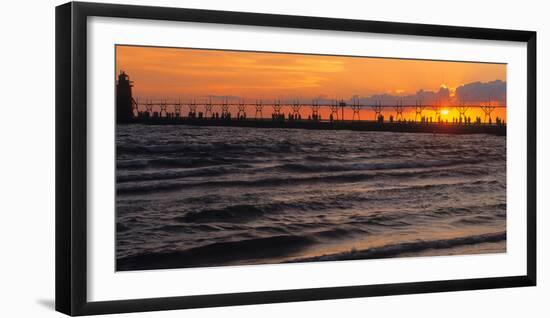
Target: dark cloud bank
(475, 93)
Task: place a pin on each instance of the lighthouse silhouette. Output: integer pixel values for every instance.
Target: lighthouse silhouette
(124, 100)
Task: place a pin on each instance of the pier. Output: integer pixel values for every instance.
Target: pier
(308, 114)
(364, 125)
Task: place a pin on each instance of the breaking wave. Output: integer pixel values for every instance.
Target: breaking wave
(395, 250)
(216, 253)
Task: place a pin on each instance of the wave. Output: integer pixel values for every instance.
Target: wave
(254, 249)
(475, 220)
(216, 253)
(234, 213)
(482, 218)
(167, 174)
(390, 220)
(290, 180)
(207, 147)
(194, 162)
(246, 212)
(339, 233)
(308, 167)
(131, 163)
(275, 181)
(466, 210)
(395, 250)
(289, 167)
(165, 148)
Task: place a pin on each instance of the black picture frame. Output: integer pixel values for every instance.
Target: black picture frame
(71, 157)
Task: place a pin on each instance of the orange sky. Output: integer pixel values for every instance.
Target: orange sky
(187, 73)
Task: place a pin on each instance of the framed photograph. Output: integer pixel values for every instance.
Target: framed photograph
(208, 158)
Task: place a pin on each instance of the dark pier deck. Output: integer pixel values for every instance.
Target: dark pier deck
(363, 125)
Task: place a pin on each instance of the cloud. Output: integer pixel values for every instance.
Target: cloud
(481, 92)
(475, 92)
(443, 95)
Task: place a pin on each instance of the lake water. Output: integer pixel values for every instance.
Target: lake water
(192, 196)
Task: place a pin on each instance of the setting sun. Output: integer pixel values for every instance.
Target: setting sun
(445, 112)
